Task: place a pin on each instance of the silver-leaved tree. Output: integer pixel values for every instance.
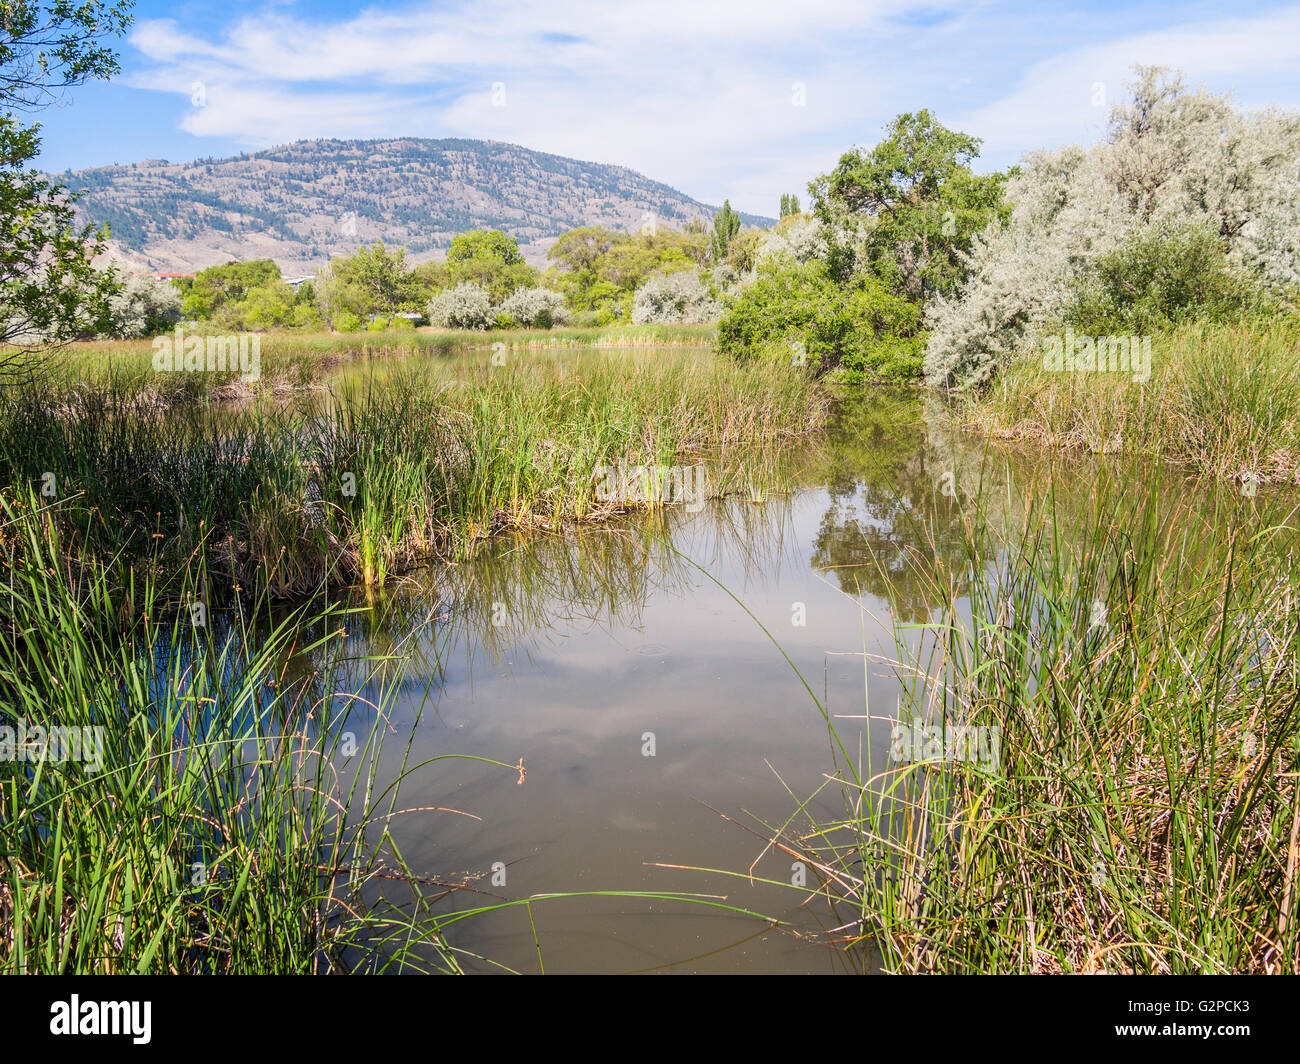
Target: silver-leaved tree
(1176, 164)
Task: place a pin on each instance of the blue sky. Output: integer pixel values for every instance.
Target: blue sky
(719, 98)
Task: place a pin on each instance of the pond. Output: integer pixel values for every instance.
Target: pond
(657, 679)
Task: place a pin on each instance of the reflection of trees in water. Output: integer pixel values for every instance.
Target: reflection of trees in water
(888, 522)
(885, 475)
(901, 484)
(890, 525)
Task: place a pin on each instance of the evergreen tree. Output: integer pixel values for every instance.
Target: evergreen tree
(726, 224)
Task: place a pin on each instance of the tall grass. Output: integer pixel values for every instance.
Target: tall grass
(236, 813)
(623, 335)
(407, 465)
(230, 827)
(1223, 399)
(297, 361)
(1143, 670)
(232, 820)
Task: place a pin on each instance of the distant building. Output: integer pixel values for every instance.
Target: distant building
(294, 282)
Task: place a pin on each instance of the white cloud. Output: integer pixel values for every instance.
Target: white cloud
(1054, 103)
(696, 94)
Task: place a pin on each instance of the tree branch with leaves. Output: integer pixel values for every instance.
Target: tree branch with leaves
(50, 293)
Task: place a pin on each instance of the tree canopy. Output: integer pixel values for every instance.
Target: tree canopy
(908, 209)
(487, 258)
(45, 48)
(599, 270)
(49, 292)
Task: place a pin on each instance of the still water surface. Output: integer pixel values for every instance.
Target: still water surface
(577, 652)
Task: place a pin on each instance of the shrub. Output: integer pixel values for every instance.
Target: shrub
(347, 322)
(795, 311)
(203, 295)
(1172, 159)
(144, 307)
(674, 298)
(1162, 276)
(587, 319)
(305, 316)
(534, 308)
(266, 306)
(799, 237)
(467, 306)
(389, 323)
(724, 277)
(1270, 242)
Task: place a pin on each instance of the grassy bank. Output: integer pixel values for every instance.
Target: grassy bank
(381, 474)
(1223, 400)
(220, 820)
(1142, 672)
(289, 362)
(603, 336)
(294, 361)
(216, 798)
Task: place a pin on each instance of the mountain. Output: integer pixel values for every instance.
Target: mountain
(302, 203)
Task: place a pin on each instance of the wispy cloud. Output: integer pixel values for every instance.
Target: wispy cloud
(1067, 97)
(740, 99)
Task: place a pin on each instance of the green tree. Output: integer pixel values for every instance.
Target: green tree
(485, 243)
(208, 292)
(580, 249)
(599, 270)
(789, 205)
(913, 204)
(726, 224)
(49, 292)
(48, 47)
(491, 260)
(798, 313)
(268, 306)
(376, 280)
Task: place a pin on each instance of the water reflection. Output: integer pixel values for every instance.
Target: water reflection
(578, 653)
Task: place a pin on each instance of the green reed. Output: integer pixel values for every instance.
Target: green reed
(229, 819)
(1140, 670)
(414, 462)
